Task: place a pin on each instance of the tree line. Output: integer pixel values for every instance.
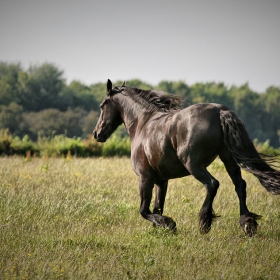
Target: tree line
(38, 102)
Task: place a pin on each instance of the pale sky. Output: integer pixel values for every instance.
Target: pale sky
(230, 41)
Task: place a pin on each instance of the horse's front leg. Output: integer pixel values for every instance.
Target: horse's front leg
(161, 189)
(146, 191)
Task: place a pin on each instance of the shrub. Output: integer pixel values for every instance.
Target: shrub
(265, 148)
(116, 146)
(92, 147)
(59, 145)
(23, 146)
(5, 142)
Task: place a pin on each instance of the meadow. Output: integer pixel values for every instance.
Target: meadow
(78, 218)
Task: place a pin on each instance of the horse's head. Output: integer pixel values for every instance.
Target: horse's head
(110, 117)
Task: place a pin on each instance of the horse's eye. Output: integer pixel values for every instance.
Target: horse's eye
(102, 104)
(105, 101)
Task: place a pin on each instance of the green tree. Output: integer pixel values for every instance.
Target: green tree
(248, 109)
(73, 120)
(42, 86)
(51, 122)
(136, 83)
(89, 122)
(9, 85)
(11, 117)
(46, 123)
(99, 91)
(270, 102)
(177, 88)
(67, 98)
(211, 93)
(82, 96)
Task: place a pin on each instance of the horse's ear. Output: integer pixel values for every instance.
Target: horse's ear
(123, 84)
(109, 87)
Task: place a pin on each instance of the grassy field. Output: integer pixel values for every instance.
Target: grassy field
(79, 219)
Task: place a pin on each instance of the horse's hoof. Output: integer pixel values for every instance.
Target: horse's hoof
(249, 224)
(206, 219)
(250, 227)
(204, 227)
(172, 226)
(168, 223)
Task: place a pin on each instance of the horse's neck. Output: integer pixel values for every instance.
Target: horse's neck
(133, 115)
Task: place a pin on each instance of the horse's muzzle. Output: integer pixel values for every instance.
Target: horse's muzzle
(98, 137)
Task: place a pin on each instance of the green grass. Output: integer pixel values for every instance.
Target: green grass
(79, 219)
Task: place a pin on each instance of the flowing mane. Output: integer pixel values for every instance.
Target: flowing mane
(152, 100)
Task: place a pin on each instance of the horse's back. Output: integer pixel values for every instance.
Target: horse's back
(198, 120)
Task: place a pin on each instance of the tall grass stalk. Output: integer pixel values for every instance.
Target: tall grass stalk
(79, 219)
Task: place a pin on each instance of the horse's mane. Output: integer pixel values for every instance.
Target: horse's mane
(152, 100)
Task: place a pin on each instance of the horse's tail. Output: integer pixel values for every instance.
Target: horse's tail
(244, 153)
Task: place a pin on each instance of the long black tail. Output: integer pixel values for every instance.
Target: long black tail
(246, 156)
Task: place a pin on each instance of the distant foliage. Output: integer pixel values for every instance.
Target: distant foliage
(38, 101)
(62, 146)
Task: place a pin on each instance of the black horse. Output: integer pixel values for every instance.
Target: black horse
(170, 142)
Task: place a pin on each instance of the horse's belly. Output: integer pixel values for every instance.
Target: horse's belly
(168, 165)
(172, 170)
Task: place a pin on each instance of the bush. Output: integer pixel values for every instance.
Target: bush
(92, 147)
(116, 146)
(60, 145)
(5, 142)
(265, 148)
(23, 146)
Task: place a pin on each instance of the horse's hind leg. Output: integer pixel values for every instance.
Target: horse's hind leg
(248, 220)
(206, 215)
